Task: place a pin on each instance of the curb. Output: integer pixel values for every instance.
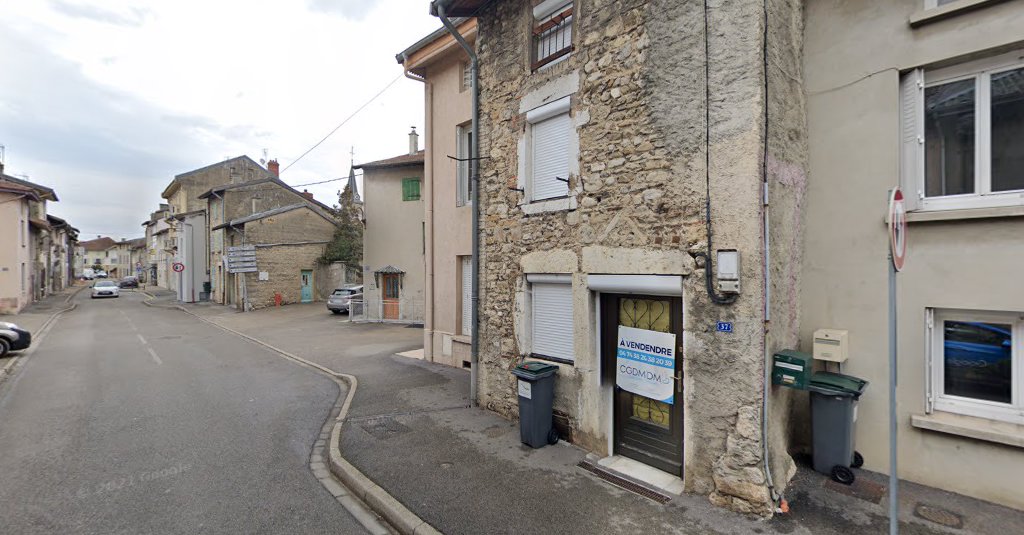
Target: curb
(363, 488)
(8, 369)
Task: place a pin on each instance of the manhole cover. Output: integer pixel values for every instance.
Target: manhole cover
(939, 516)
(384, 428)
(862, 488)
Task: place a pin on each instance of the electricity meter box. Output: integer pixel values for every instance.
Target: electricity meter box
(791, 368)
(832, 345)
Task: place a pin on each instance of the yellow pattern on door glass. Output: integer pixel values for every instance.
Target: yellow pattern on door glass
(651, 315)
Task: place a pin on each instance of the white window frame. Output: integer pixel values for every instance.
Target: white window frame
(992, 410)
(932, 4)
(466, 297)
(556, 110)
(541, 14)
(463, 150)
(913, 159)
(541, 349)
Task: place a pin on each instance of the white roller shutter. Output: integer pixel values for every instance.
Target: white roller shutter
(552, 320)
(467, 295)
(550, 155)
(912, 137)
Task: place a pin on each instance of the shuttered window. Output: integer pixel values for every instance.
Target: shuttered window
(552, 325)
(410, 189)
(550, 157)
(467, 295)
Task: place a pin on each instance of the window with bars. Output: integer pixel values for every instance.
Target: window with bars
(552, 32)
(410, 189)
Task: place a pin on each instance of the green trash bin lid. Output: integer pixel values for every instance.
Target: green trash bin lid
(837, 383)
(534, 370)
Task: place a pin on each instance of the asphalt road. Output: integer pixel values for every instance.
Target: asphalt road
(130, 419)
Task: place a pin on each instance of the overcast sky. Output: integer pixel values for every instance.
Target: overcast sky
(106, 101)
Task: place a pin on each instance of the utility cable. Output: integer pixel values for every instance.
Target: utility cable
(341, 124)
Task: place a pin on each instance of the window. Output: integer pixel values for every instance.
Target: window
(975, 363)
(961, 132)
(463, 150)
(467, 76)
(549, 130)
(931, 4)
(552, 32)
(551, 317)
(466, 274)
(410, 189)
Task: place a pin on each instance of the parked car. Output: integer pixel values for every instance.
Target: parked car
(105, 289)
(130, 281)
(340, 300)
(12, 338)
(100, 274)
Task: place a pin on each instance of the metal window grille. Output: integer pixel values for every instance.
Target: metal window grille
(552, 37)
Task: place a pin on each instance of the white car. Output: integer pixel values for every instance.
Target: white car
(105, 289)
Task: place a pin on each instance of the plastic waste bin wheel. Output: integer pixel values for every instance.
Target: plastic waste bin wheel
(842, 474)
(552, 436)
(858, 460)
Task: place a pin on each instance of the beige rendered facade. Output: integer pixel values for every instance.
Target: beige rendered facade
(965, 252)
(393, 238)
(15, 257)
(443, 66)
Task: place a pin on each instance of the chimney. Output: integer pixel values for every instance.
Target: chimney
(274, 167)
(307, 194)
(414, 141)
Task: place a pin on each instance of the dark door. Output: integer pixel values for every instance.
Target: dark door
(647, 430)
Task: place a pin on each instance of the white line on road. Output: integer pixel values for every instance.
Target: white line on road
(156, 358)
(141, 339)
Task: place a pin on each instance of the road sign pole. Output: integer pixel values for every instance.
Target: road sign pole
(894, 481)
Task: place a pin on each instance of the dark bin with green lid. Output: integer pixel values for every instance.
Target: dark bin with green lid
(834, 399)
(536, 386)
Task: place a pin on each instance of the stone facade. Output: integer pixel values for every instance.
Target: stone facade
(636, 206)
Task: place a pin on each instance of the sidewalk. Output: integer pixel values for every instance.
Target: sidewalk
(463, 470)
(32, 317)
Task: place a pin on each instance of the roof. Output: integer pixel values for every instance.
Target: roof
(275, 211)
(398, 161)
(18, 189)
(39, 223)
(389, 269)
(183, 215)
(99, 244)
(458, 8)
(43, 191)
(137, 243)
(430, 38)
(273, 180)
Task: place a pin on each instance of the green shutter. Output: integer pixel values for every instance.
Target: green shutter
(410, 189)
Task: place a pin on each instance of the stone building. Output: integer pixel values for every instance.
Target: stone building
(443, 67)
(230, 201)
(394, 237)
(288, 241)
(609, 158)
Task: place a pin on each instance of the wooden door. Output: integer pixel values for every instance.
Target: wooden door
(647, 430)
(391, 286)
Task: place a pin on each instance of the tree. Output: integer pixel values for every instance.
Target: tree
(347, 243)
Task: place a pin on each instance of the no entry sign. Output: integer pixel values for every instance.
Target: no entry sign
(897, 228)
(178, 267)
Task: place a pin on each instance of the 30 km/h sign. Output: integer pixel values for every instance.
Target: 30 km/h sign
(897, 228)
(178, 267)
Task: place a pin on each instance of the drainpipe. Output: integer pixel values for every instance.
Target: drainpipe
(474, 173)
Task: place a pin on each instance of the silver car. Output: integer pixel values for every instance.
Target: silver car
(340, 300)
(105, 289)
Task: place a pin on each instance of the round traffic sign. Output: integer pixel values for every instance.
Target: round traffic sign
(178, 267)
(897, 228)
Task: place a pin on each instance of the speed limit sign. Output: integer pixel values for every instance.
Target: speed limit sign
(178, 267)
(897, 228)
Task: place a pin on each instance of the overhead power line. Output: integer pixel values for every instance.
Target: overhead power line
(341, 124)
(324, 181)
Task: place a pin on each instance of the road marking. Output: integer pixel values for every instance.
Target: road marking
(141, 339)
(156, 358)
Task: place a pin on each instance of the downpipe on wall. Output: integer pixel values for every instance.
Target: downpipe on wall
(474, 174)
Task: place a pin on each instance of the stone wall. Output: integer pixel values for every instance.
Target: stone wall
(637, 205)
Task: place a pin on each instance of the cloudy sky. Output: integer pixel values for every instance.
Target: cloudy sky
(105, 101)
